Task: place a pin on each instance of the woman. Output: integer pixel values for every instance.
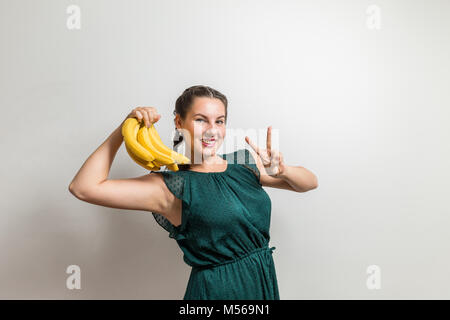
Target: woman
(215, 208)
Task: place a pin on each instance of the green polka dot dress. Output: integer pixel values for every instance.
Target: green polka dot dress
(224, 233)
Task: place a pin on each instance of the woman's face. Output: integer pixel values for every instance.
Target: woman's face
(205, 123)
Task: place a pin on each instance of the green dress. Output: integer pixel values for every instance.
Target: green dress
(224, 233)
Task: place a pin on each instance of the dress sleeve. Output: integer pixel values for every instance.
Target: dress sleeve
(176, 183)
(245, 158)
(251, 162)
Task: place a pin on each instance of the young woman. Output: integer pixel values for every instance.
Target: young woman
(215, 208)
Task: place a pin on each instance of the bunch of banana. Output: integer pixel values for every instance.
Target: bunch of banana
(146, 148)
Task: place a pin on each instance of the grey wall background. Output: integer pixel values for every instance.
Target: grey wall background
(366, 110)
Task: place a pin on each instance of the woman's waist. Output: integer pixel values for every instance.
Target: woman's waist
(254, 252)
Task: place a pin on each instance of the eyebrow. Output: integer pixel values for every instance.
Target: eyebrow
(199, 114)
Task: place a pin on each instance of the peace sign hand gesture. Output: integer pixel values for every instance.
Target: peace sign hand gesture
(272, 160)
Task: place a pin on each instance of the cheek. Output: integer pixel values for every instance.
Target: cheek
(196, 131)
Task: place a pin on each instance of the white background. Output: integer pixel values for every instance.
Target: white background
(366, 110)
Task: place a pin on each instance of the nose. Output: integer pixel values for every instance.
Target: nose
(211, 130)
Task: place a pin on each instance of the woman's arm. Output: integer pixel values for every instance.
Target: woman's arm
(148, 192)
(96, 168)
(299, 178)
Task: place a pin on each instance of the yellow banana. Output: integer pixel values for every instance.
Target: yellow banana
(157, 165)
(145, 147)
(144, 139)
(155, 139)
(130, 129)
(173, 167)
(145, 164)
(156, 168)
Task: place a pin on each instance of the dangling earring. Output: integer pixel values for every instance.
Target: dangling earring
(179, 143)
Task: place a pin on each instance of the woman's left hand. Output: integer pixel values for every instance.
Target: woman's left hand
(272, 160)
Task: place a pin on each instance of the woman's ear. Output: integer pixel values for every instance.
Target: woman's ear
(177, 121)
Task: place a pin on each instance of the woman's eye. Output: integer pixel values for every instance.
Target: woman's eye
(220, 121)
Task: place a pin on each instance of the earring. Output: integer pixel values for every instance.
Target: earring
(180, 144)
(178, 136)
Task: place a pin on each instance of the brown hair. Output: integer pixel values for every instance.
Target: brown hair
(184, 104)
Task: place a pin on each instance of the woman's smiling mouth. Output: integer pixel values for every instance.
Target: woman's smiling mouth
(208, 143)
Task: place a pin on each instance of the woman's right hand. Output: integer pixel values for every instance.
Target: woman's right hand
(148, 114)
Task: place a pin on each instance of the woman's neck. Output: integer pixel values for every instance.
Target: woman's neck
(210, 163)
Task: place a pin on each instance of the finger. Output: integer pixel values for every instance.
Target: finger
(146, 119)
(269, 140)
(139, 115)
(152, 116)
(276, 157)
(273, 160)
(254, 147)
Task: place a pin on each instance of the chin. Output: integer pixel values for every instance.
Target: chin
(209, 151)
(206, 151)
